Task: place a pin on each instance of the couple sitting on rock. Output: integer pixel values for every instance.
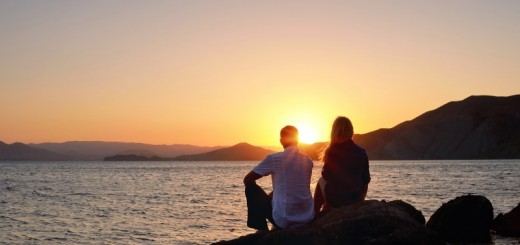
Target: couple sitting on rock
(344, 180)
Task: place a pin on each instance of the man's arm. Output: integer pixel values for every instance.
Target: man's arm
(264, 168)
(251, 177)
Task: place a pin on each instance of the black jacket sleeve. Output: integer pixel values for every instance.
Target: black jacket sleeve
(366, 172)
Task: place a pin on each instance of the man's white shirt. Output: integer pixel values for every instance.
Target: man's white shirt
(291, 172)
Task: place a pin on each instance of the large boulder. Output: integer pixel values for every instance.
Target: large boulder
(508, 224)
(369, 222)
(411, 210)
(465, 219)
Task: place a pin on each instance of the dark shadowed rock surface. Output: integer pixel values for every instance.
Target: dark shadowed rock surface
(465, 219)
(411, 210)
(370, 222)
(508, 224)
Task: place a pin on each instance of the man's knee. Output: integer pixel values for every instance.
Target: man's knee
(253, 189)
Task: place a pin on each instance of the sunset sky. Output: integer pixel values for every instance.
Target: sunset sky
(223, 72)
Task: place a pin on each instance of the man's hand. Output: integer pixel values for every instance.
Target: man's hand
(251, 177)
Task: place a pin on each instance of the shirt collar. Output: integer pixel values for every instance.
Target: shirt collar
(291, 148)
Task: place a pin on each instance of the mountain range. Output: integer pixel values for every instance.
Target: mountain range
(97, 150)
(241, 151)
(22, 152)
(478, 127)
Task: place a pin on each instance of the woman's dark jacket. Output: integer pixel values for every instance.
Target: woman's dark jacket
(346, 172)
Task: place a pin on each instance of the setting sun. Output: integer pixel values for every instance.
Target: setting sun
(308, 133)
(311, 128)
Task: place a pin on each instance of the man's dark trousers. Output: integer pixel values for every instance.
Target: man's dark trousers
(259, 207)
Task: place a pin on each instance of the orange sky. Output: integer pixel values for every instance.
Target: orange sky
(222, 72)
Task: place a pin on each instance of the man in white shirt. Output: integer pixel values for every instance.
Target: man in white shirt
(290, 205)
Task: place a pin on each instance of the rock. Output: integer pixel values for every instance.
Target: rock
(369, 222)
(416, 214)
(465, 219)
(508, 224)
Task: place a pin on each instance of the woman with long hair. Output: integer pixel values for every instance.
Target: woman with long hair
(345, 175)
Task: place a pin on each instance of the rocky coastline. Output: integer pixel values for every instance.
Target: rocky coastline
(465, 219)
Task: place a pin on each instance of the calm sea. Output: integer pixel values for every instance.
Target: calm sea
(201, 202)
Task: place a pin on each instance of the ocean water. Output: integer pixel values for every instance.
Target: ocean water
(202, 202)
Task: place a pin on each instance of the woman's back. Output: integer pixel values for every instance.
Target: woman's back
(346, 171)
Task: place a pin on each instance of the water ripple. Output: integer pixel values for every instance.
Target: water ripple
(201, 202)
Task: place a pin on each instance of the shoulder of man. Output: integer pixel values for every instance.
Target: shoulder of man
(276, 155)
(305, 156)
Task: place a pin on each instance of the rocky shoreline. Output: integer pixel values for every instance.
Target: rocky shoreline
(465, 219)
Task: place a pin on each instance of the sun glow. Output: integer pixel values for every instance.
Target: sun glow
(312, 125)
(308, 133)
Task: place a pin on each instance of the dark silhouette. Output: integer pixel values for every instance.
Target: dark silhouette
(465, 219)
(345, 174)
(508, 224)
(290, 204)
(369, 222)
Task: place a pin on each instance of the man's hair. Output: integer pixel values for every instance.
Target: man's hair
(289, 132)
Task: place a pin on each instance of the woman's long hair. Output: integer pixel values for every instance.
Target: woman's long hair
(342, 130)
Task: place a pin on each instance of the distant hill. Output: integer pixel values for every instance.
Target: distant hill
(479, 127)
(97, 150)
(19, 151)
(143, 153)
(239, 152)
(314, 151)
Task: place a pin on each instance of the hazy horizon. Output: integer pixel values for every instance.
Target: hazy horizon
(218, 73)
(135, 142)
